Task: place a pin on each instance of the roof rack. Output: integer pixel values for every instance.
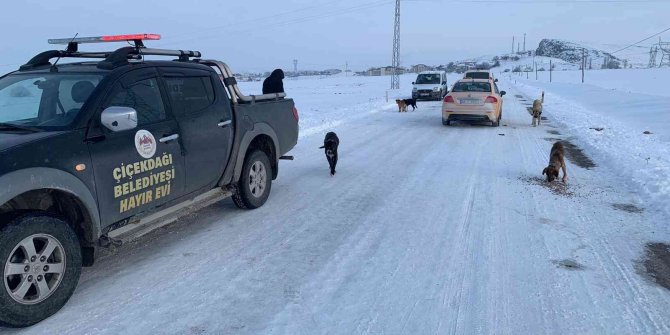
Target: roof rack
(111, 59)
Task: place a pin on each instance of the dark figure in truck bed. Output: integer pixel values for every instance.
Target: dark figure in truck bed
(273, 83)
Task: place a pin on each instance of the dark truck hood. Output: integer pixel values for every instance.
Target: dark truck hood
(10, 139)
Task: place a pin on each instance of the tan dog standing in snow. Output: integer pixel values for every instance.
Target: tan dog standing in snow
(556, 163)
(537, 110)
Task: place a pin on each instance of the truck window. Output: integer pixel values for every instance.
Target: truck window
(20, 100)
(145, 97)
(49, 101)
(73, 93)
(190, 94)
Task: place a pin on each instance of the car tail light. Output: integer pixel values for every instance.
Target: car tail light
(295, 114)
(491, 100)
(449, 98)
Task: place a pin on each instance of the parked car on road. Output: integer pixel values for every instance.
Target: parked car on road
(479, 74)
(430, 85)
(473, 100)
(88, 147)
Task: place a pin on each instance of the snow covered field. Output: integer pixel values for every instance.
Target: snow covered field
(425, 229)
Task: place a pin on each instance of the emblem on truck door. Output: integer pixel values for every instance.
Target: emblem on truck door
(145, 143)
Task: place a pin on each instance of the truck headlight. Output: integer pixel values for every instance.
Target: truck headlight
(435, 89)
(414, 89)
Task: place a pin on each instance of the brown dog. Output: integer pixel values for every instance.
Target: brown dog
(556, 162)
(402, 105)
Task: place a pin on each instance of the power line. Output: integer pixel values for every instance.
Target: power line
(654, 35)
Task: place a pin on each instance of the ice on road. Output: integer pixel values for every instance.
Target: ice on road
(425, 229)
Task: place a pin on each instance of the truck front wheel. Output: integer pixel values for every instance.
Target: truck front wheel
(41, 265)
(255, 183)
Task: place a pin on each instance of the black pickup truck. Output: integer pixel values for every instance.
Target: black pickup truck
(88, 147)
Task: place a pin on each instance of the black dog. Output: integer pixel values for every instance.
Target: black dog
(330, 143)
(410, 102)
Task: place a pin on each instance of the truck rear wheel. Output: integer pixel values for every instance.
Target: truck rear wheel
(41, 265)
(255, 183)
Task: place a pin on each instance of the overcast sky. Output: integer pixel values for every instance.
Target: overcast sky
(259, 35)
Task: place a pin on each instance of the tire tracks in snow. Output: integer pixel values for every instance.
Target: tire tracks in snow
(641, 316)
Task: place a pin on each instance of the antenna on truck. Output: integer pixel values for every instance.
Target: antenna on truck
(69, 46)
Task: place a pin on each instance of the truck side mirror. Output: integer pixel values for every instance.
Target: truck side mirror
(117, 118)
(502, 93)
(412, 83)
(495, 81)
(444, 83)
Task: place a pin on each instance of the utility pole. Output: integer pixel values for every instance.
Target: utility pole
(551, 68)
(295, 66)
(524, 42)
(535, 70)
(346, 69)
(652, 56)
(395, 63)
(583, 63)
(513, 44)
(664, 48)
(518, 46)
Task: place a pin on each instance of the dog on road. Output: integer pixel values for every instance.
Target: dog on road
(403, 103)
(330, 144)
(556, 162)
(537, 111)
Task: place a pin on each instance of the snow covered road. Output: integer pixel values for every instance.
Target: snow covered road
(425, 229)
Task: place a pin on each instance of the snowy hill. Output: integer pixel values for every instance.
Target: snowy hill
(573, 52)
(563, 55)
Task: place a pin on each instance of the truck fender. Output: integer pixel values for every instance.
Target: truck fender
(259, 129)
(19, 182)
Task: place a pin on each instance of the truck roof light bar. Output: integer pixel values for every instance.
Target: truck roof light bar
(112, 59)
(73, 43)
(106, 38)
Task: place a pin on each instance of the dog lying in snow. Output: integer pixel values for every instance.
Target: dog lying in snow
(403, 103)
(556, 162)
(330, 144)
(537, 111)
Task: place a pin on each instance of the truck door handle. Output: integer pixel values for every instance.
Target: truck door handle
(169, 138)
(224, 123)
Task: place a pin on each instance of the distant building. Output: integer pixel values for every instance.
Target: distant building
(375, 71)
(384, 71)
(470, 64)
(420, 68)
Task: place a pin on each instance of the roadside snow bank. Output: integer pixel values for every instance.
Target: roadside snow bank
(621, 145)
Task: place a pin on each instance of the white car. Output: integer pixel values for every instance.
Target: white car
(479, 74)
(430, 85)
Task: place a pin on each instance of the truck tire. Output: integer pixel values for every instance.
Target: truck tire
(255, 184)
(41, 264)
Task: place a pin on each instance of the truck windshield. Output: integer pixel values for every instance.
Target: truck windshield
(432, 78)
(44, 101)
